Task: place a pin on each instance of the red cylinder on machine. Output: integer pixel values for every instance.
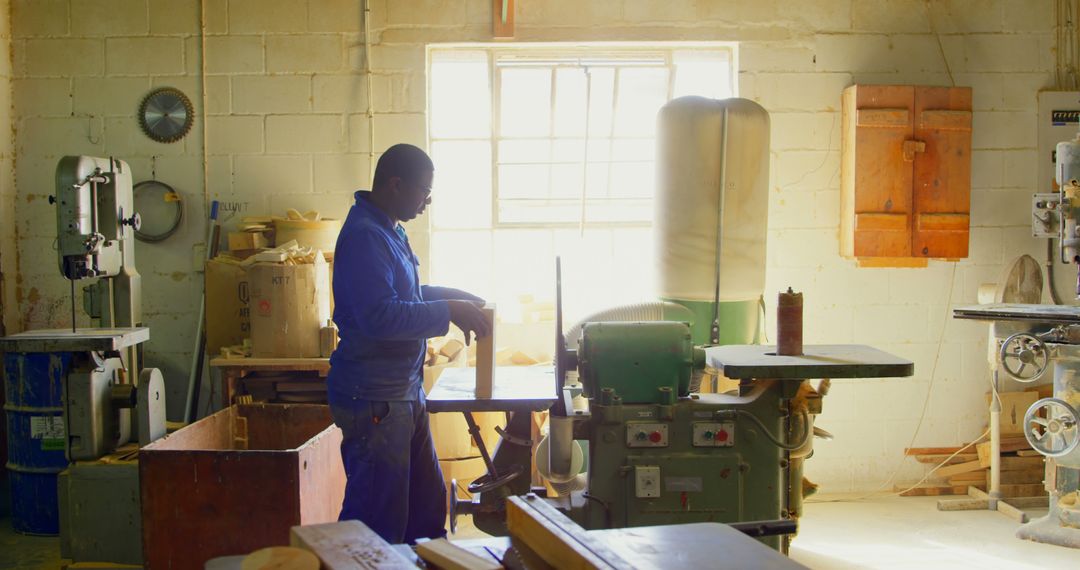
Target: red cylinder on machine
(789, 327)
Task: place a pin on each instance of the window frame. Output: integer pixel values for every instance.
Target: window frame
(553, 56)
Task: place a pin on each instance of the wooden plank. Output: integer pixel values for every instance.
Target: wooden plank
(977, 477)
(1026, 476)
(962, 504)
(945, 120)
(485, 357)
(881, 221)
(1030, 502)
(1028, 453)
(965, 467)
(943, 222)
(931, 450)
(348, 545)
(1023, 490)
(1012, 463)
(1012, 512)
(1043, 390)
(1007, 446)
(909, 262)
(931, 490)
(883, 118)
(280, 558)
(555, 538)
(444, 554)
(936, 458)
(941, 189)
(876, 120)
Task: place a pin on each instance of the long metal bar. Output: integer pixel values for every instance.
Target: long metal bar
(714, 332)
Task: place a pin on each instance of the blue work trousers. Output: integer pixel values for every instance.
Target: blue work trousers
(393, 481)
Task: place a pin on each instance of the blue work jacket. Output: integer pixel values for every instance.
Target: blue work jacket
(384, 316)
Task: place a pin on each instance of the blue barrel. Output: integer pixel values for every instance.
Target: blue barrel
(33, 400)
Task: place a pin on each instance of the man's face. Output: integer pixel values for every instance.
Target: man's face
(414, 195)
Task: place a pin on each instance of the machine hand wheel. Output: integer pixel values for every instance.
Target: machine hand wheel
(1024, 357)
(1051, 427)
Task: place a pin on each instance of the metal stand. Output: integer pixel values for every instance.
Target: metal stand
(492, 479)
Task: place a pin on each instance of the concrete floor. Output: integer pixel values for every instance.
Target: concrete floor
(890, 533)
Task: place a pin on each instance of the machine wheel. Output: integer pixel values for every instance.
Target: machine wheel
(1024, 357)
(1052, 427)
(486, 482)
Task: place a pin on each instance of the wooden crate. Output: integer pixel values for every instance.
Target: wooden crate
(236, 481)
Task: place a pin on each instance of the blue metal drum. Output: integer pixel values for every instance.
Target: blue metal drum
(33, 401)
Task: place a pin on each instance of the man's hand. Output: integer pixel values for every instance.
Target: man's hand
(469, 318)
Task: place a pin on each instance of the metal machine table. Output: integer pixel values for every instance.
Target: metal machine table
(1019, 312)
(81, 340)
(516, 389)
(817, 361)
(695, 545)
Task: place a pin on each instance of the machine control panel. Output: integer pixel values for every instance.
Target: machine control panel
(646, 481)
(711, 434)
(646, 435)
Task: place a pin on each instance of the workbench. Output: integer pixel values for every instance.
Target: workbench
(233, 370)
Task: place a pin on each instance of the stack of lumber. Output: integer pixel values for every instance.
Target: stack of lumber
(286, 387)
(1022, 469)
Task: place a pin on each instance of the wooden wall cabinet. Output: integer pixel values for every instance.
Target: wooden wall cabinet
(905, 192)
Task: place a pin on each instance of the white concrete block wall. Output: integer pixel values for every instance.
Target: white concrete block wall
(287, 127)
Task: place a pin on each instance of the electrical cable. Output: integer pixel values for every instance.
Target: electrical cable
(807, 432)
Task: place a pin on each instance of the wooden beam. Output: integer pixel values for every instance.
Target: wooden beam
(556, 539)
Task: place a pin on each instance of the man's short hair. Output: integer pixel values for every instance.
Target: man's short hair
(402, 160)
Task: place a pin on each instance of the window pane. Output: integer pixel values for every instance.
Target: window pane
(525, 262)
(461, 197)
(463, 259)
(566, 180)
(600, 105)
(633, 180)
(525, 151)
(461, 95)
(625, 150)
(704, 73)
(523, 181)
(525, 100)
(642, 91)
(569, 102)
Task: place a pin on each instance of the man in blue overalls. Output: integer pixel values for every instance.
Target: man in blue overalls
(375, 387)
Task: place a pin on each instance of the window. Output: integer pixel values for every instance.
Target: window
(544, 150)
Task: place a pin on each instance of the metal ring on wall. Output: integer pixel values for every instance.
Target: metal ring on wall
(169, 196)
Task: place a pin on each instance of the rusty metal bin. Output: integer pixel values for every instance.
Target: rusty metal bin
(236, 481)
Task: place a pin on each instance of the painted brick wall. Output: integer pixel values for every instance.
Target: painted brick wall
(286, 127)
(8, 263)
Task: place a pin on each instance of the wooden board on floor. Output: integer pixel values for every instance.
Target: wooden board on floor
(1028, 476)
(931, 450)
(347, 545)
(1023, 490)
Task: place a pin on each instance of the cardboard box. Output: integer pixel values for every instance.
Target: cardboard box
(247, 240)
(290, 303)
(228, 317)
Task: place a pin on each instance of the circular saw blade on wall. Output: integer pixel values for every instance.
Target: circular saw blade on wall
(166, 115)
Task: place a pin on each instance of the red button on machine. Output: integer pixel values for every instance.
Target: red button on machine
(721, 435)
(655, 437)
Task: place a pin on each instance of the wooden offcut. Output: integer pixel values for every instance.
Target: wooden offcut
(444, 554)
(280, 558)
(950, 470)
(485, 357)
(348, 545)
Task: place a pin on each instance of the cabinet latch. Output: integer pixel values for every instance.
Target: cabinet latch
(911, 147)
